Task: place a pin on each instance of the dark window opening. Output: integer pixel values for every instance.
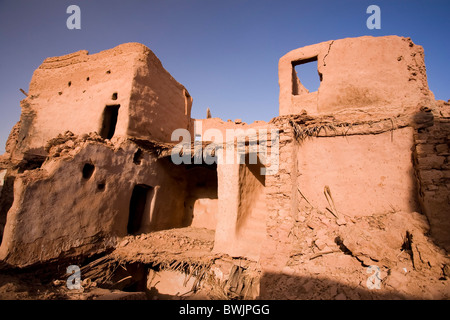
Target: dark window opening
(88, 170)
(109, 121)
(30, 163)
(101, 186)
(70, 83)
(114, 96)
(87, 79)
(305, 76)
(138, 155)
(108, 72)
(138, 204)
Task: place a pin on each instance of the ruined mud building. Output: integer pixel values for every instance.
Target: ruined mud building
(364, 172)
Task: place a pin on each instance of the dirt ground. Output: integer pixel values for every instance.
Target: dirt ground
(322, 266)
(184, 244)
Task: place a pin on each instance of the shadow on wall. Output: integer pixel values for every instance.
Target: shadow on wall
(431, 159)
(252, 202)
(276, 286)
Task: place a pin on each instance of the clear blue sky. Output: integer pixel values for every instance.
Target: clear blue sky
(225, 52)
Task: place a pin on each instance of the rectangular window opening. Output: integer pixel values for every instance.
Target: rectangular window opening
(307, 71)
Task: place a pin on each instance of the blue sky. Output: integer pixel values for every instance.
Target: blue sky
(225, 52)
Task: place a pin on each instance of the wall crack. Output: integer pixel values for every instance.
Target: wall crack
(329, 48)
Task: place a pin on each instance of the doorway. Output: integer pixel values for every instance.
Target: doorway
(109, 121)
(139, 205)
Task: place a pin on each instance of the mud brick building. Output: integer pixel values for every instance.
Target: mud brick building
(361, 177)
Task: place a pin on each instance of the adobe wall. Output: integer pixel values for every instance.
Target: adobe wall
(373, 76)
(205, 211)
(432, 164)
(71, 92)
(242, 199)
(201, 202)
(363, 176)
(59, 212)
(315, 248)
(372, 141)
(158, 103)
(366, 174)
(281, 201)
(367, 168)
(242, 211)
(215, 128)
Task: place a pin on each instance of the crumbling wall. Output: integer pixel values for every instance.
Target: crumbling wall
(78, 201)
(346, 197)
(373, 76)
(432, 164)
(281, 200)
(222, 126)
(320, 249)
(70, 93)
(120, 93)
(78, 91)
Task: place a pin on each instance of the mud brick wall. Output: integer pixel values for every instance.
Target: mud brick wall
(281, 199)
(432, 163)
